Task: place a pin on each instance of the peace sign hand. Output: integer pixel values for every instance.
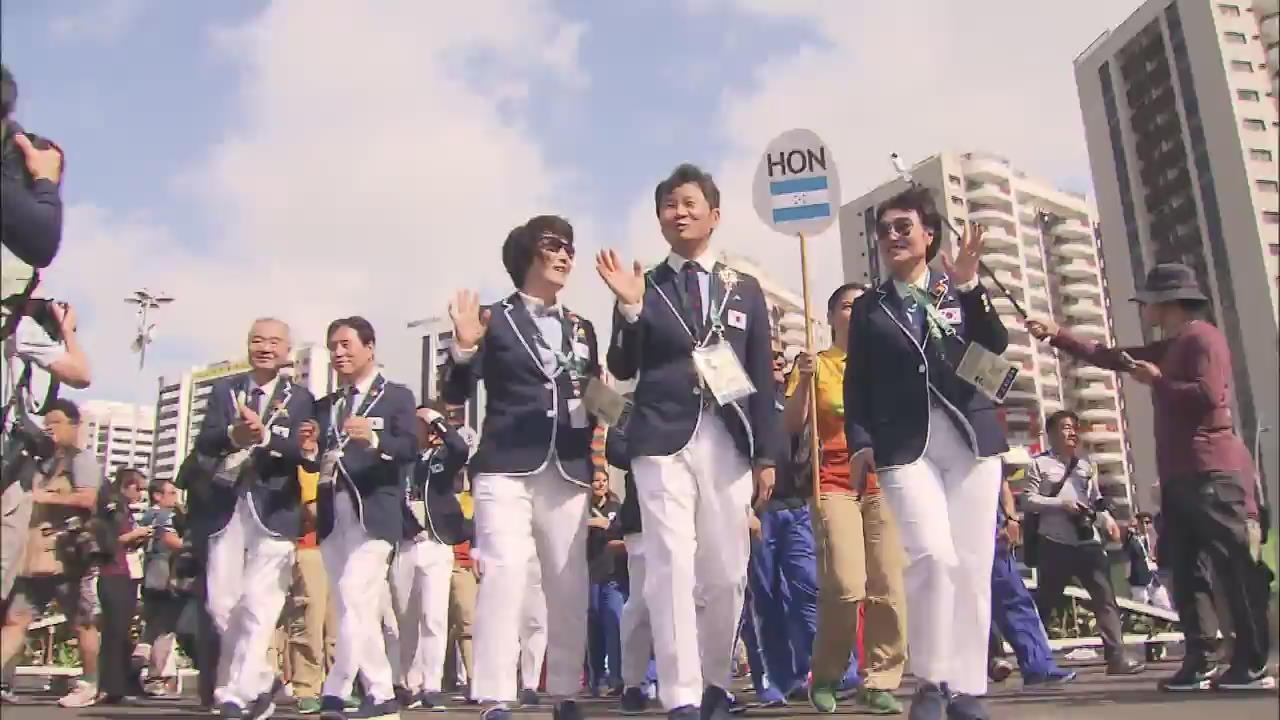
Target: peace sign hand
(964, 268)
(469, 322)
(627, 286)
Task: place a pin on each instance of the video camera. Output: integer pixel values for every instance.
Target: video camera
(1085, 521)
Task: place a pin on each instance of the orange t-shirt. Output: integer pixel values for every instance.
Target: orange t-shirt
(833, 465)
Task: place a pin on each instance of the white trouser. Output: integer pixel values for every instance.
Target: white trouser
(249, 574)
(945, 508)
(357, 566)
(637, 636)
(515, 516)
(420, 576)
(533, 628)
(1152, 594)
(694, 505)
(390, 625)
(15, 523)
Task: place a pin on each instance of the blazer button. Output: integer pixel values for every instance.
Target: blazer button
(697, 390)
(551, 413)
(920, 369)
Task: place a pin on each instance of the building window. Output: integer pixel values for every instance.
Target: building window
(1235, 38)
(1268, 186)
(1241, 66)
(1247, 95)
(1271, 217)
(954, 180)
(1254, 124)
(1228, 10)
(957, 201)
(1260, 155)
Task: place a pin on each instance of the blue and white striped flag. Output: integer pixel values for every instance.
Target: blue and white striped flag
(800, 199)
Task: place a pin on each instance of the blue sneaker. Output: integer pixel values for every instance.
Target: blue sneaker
(1053, 680)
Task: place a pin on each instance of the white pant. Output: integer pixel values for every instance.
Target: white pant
(945, 508)
(420, 576)
(637, 636)
(694, 505)
(249, 574)
(533, 628)
(516, 516)
(357, 567)
(1153, 594)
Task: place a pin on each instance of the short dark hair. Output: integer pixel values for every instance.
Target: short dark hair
(157, 486)
(128, 476)
(840, 292)
(364, 330)
(919, 199)
(521, 245)
(1059, 417)
(66, 407)
(684, 174)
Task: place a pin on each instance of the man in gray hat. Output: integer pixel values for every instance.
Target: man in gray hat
(1207, 477)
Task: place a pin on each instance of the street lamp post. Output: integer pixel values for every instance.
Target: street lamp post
(146, 301)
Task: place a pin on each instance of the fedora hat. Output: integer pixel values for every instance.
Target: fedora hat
(1168, 282)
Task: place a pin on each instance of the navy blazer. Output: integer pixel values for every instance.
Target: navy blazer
(527, 409)
(431, 481)
(668, 396)
(374, 476)
(271, 476)
(890, 370)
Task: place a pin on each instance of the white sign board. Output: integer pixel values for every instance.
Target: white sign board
(796, 187)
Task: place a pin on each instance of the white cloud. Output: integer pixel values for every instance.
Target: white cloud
(914, 78)
(100, 21)
(375, 167)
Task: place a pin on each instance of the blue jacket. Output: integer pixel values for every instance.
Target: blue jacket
(431, 481)
(891, 369)
(658, 350)
(271, 476)
(527, 413)
(374, 476)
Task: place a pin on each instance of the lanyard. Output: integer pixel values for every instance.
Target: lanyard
(933, 319)
(566, 359)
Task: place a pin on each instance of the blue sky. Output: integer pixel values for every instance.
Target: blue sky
(319, 157)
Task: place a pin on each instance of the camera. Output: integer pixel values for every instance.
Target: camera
(1085, 521)
(157, 517)
(79, 544)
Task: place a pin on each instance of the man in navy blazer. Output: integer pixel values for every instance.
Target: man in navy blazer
(532, 470)
(366, 443)
(934, 440)
(694, 457)
(253, 512)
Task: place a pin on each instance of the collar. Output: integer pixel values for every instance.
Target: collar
(706, 261)
(538, 308)
(921, 283)
(267, 390)
(1065, 460)
(362, 387)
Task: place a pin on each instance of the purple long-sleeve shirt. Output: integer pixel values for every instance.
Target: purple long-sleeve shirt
(1194, 429)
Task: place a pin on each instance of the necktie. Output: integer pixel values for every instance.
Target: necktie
(255, 400)
(693, 295)
(348, 406)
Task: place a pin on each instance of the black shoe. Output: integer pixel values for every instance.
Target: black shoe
(385, 710)
(634, 701)
(432, 702)
(999, 670)
(566, 710)
(966, 707)
(332, 708)
(1195, 675)
(230, 710)
(1236, 678)
(1124, 665)
(684, 712)
(529, 696)
(717, 704)
(929, 703)
(497, 712)
(406, 697)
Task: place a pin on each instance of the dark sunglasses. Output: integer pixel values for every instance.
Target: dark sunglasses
(901, 226)
(554, 244)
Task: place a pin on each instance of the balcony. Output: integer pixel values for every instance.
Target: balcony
(1082, 289)
(1094, 392)
(1002, 305)
(1098, 414)
(1050, 406)
(1107, 458)
(998, 237)
(1020, 397)
(1091, 331)
(1001, 259)
(1077, 270)
(1008, 279)
(991, 216)
(1101, 436)
(1073, 230)
(1048, 378)
(988, 192)
(1089, 372)
(1017, 417)
(1084, 309)
(986, 169)
(1072, 251)
(1017, 352)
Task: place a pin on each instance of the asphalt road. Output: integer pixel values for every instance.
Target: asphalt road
(1094, 696)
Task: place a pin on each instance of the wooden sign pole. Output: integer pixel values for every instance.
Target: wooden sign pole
(813, 379)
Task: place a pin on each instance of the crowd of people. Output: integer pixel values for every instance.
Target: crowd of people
(357, 549)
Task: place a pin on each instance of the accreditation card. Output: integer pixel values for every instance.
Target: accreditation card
(987, 371)
(721, 373)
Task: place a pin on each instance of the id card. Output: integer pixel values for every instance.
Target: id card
(419, 510)
(721, 373)
(989, 373)
(604, 402)
(329, 466)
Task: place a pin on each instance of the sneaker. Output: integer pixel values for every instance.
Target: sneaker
(566, 710)
(822, 696)
(8, 697)
(770, 698)
(529, 696)
(262, 708)
(308, 706)
(928, 703)
(634, 701)
(333, 708)
(83, 694)
(1193, 676)
(432, 702)
(230, 710)
(870, 701)
(385, 710)
(966, 707)
(1050, 681)
(497, 712)
(717, 704)
(999, 670)
(684, 712)
(1235, 679)
(1125, 666)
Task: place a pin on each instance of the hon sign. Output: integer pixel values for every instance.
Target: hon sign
(796, 188)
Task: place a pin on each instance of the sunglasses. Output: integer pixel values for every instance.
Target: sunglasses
(901, 227)
(554, 244)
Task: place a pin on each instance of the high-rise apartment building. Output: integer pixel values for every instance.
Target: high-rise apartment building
(118, 434)
(1041, 245)
(1180, 116)
(180, 407)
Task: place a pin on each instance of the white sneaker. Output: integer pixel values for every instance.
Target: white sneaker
(83, 694)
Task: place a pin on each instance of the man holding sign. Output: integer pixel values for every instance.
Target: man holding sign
(934, 440)
(703, 427)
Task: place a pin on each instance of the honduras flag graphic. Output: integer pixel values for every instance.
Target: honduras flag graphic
(800, 199)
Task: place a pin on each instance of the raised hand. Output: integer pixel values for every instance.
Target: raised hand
(965, 267)
(1042, 329)
(248, 428)
(627, 284)
(469, 322)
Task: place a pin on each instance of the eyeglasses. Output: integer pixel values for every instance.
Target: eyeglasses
(901, 226)
(554, 244)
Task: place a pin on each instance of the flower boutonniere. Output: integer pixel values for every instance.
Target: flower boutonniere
(939, 289)
(729, 277)
(281, 412)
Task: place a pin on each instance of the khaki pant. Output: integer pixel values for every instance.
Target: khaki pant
(462, 609)
(310, 625)
(860, 559)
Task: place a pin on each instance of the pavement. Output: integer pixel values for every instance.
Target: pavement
(1093, 696)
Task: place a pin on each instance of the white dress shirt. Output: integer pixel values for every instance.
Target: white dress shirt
(706, 261)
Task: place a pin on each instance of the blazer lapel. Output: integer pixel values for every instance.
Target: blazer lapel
(278, 403)
(522, 324)
(894, 307)
(666, 282)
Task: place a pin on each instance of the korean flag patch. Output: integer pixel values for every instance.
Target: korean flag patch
(951, 315)
(376, 423)
(737, 319)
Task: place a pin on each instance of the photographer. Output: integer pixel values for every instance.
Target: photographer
(56, 565)
(1063, 489)
(118, 583)
(161, 604)
(30, 170)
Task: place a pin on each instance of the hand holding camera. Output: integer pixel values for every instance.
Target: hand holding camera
(44, 159)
